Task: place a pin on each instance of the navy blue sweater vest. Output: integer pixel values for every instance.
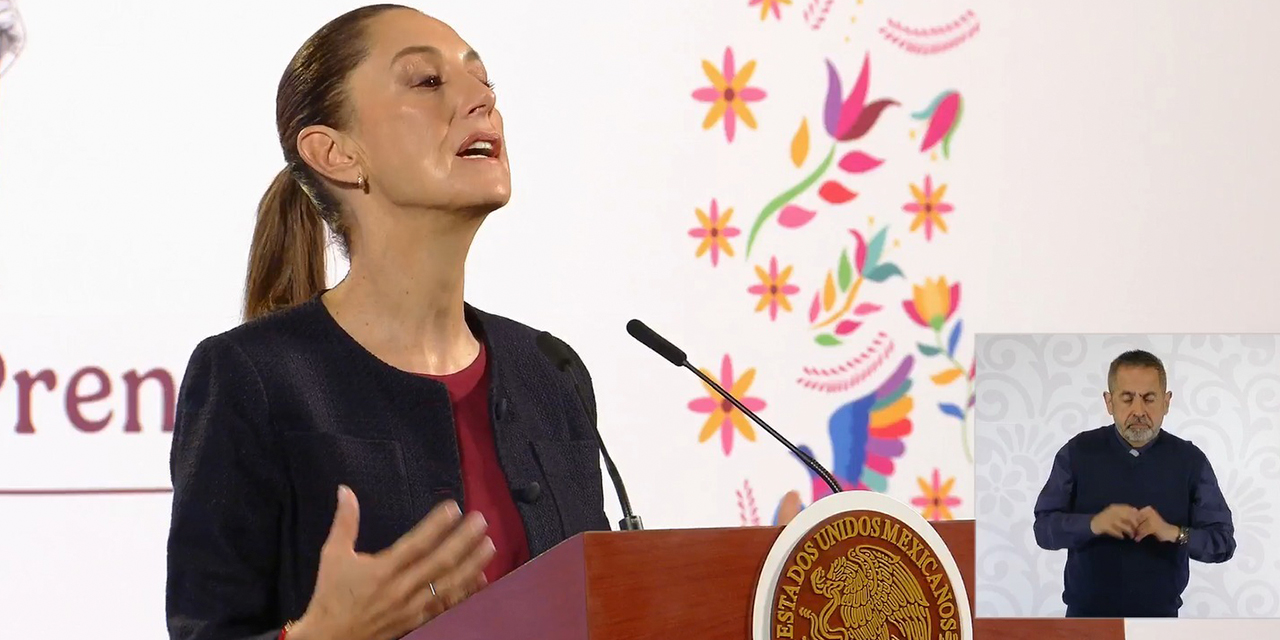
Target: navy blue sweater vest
(1107, 577)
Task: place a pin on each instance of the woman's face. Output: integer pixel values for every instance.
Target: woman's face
(424, 118)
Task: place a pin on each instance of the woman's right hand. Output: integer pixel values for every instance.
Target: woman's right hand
(384, 595)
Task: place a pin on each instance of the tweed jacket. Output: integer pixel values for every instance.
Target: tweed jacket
(273, 415)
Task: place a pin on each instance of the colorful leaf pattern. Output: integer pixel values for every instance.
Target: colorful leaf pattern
(846, 327)
(839, 294)
(845, 271)
(800, 144)
(794, 216)
(835, 193)
(845, 119)
(861, 279)
(859, 162)
(932, 306)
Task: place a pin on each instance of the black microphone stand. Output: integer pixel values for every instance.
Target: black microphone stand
(673, 354)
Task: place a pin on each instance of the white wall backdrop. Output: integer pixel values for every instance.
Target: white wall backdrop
(1037, 391)
(1108, 173)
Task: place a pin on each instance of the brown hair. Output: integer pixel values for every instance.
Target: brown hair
(287, 255)
(1137, 358)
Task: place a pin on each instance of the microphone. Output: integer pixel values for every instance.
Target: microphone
(562, 357)
(649, 338)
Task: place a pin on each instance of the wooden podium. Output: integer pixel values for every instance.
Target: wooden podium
(678, 583)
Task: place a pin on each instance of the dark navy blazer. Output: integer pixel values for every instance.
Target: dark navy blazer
(274, 414)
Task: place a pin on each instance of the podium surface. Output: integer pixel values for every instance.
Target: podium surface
(676, 583)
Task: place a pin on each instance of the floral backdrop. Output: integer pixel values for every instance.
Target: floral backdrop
(839, 263)
(788, 189)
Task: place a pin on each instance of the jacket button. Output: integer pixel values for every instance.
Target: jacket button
(528, 493)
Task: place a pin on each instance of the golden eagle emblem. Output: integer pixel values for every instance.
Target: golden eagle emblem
(877, 597)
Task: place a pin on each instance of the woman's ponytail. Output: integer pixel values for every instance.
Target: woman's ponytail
(287, 257)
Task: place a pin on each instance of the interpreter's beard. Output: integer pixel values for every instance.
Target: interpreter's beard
(1138, 432)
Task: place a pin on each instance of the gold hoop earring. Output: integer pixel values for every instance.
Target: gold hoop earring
(361, 183)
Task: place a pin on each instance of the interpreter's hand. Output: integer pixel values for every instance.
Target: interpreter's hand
(385, 595)
(1118, 521)
(1151, 523)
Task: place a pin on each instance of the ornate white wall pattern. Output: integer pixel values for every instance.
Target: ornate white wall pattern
(1036, 391)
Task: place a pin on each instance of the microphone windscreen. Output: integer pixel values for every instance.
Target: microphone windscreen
(649, 338)
(555, 350)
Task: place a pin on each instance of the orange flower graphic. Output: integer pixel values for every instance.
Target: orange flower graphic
(773, 289)
(928, 208)
(714, 232)
(767, 5)
(724, 417)
(937, 499)
(729, 94)
(932, 304)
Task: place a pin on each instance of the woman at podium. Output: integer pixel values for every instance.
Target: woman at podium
(322, 448)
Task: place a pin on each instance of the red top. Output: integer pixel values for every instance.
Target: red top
(484, 484)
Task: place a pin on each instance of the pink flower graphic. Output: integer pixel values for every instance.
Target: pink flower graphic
(852, 117)
(943, 115)
(729, 94)
(936, 499)
(928, 208)
(724, 417)
(714, 232)
(845, 118)
(773, 289)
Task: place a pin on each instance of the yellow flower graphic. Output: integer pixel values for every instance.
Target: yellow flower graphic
(729, 94)
(937, 499)
(932, 303)
(928, 208)
(773, 289)
(714, 231)
(724, 417)
(767, 5)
